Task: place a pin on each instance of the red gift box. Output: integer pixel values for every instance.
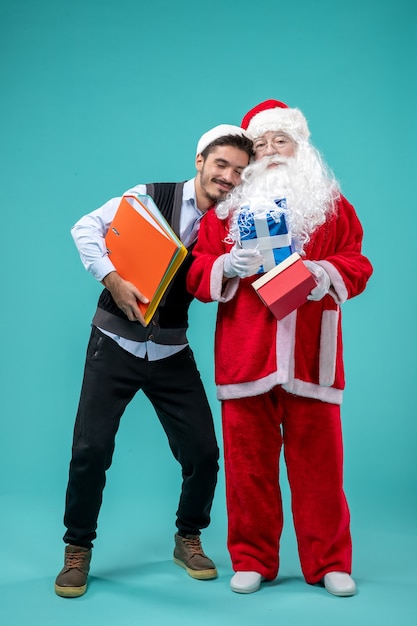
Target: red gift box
(286, 287)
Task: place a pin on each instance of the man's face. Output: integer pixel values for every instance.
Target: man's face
(273, 142)
(218, 174)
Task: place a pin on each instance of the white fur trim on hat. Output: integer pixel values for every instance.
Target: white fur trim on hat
(215, 133)
(289, 121)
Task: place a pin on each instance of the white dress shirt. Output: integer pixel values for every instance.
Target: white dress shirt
(89, 237)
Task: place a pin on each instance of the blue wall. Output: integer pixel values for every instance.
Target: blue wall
(98, 96)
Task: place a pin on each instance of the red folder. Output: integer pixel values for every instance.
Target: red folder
(286, 287)
(144, 249)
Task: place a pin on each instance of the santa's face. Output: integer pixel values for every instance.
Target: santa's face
(218, 174)
(273, 142)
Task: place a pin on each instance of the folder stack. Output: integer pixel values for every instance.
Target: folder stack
(144, 249)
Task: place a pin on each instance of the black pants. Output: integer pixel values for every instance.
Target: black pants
(112, 377)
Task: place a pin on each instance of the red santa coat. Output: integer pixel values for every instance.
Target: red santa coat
(303, 352)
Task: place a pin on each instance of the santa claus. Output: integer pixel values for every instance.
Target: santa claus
(281, 382)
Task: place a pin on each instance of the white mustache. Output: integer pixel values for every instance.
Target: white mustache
(257, 168)
(275, 159)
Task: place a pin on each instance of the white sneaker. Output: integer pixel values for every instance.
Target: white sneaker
(339, 584)
(246, 582)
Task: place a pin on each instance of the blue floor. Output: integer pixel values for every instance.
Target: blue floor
(134, 581)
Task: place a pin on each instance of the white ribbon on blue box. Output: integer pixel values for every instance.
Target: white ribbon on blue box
(262, 226)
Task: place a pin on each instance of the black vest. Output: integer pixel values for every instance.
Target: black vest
(170, 321)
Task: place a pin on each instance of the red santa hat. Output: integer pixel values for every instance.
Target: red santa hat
(277, 116)
(223, 130)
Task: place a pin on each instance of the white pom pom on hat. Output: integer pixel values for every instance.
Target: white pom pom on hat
(277, 116)
(215, 133)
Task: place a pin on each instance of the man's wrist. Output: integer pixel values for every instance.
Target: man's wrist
(110, 279)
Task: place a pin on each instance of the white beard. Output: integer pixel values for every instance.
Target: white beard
(308, 186)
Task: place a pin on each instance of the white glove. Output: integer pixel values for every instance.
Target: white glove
(322, 279)
(242, 262)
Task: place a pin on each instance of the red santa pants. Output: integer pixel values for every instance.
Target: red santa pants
(254, 430)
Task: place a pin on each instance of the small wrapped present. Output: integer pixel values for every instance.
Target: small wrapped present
(262, 226)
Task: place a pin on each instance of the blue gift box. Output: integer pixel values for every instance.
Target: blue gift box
(266, 230)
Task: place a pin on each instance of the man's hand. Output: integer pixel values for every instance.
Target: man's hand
(242, 262)
(126, 296)
(322, 279)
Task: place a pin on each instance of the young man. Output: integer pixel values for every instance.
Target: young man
(124, 356)
(281, 382)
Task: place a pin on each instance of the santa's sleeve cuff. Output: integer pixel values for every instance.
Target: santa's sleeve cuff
(221, 291)
(337, 289)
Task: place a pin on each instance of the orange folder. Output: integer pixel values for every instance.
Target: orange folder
(144, 249)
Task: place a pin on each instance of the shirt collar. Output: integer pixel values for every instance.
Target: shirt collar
(188, 192)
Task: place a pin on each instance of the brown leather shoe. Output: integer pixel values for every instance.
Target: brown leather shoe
(189, 554)
(71, 581)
